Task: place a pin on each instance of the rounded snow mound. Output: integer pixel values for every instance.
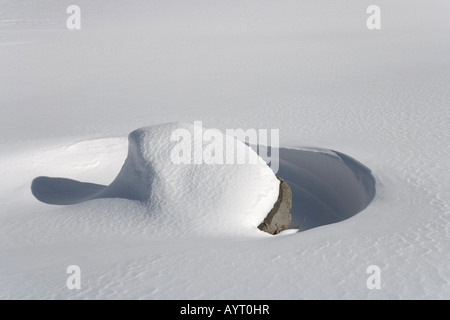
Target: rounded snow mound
(201, 194)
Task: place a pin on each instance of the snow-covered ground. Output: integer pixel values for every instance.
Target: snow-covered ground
(68, 100)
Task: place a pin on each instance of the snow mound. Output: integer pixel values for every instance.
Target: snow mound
(192, 197)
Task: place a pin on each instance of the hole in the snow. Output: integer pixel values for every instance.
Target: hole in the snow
(327, 186)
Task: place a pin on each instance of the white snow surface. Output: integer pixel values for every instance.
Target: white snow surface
(311, 69)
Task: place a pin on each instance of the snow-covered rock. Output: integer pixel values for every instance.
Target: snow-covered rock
(197, 197)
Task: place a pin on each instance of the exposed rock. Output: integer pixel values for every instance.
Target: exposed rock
(279, 217)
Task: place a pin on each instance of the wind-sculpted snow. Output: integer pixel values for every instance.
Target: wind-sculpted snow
(218, 198)
(327, 186)
(312, 69)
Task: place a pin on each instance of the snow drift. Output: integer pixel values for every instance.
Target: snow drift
(327, 186)
(196, 197)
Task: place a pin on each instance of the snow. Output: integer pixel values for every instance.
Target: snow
(198, 198)
(68, 99)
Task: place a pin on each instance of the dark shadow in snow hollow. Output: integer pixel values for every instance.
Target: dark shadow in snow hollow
(63, 191)
(327, 187)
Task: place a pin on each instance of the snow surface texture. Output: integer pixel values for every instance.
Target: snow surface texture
(311, 69)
